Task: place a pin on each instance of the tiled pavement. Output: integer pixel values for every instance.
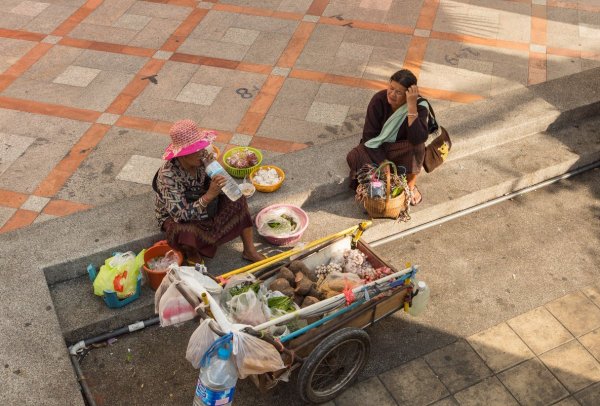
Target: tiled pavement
(89, 89)
(547, 356)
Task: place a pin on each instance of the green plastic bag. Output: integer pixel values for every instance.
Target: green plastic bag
(120, 274)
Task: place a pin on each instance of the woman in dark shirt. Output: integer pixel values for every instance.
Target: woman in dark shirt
(407, 150)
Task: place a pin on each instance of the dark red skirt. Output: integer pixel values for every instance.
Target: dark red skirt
(202, 237)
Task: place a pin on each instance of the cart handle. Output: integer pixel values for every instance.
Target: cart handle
(283, 255)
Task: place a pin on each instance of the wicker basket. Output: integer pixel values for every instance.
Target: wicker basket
(268, 188)
(241, 172)
(390, 207)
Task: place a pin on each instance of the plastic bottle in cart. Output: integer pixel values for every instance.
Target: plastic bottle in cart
(216, 384)
(231, 188)
(419, 302)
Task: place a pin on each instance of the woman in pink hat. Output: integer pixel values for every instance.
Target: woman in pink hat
(190, 208)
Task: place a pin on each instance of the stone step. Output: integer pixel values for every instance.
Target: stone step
(457, 185)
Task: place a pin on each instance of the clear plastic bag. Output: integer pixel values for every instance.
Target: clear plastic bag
(200, 342)
(235, 282)
(248, 308)
(174, 308)
(336, 282)
(254, 356)
(162, 288)
(163, 263)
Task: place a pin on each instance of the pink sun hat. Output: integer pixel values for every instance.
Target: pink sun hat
(187, 139)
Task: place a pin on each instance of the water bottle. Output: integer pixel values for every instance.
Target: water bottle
(231, 188)
(216, 384)
(420, 300)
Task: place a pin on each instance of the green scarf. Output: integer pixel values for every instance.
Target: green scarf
(391, 126)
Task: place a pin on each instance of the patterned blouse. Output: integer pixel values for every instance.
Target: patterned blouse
(177, 193)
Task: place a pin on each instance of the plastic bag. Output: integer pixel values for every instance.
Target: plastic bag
(174, 308)
(336, 282)
(254, 356)
(120, 274)
(279, 222)
(162, 288)
(233, 284)
(162, 263)
(200, 342)
(248, 308)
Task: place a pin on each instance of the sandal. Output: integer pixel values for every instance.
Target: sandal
(416, 197)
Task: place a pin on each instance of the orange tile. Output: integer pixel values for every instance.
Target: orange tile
(574, 5)
(271, 144)
(20, 219)
(106, 47)
(263, 101)
(230, 8)
(47, 109)
(537, 68)
(427, 15)
(172, 43)
(137, 51)
(395, 29)
(284, 15)
(254, 67)
(136, 123)
(64, 207)
(220, 63)
(296, 45)
(538, 24)
(152, 67)
(459, 97)
(56, 179)
(224, 136)
(373, 84)
(187, 58)
(120, 104)
(317, 7)
(162, 127)
(563, 52)
(470, 39)
(6, 81)
(78, 16)
(8, 198)
(594, 55)
(75, 43)
(24, 35)
(415, 54)
(308, 75)
(184, 3)
(342, 80)
(250, 123)
(189, 24)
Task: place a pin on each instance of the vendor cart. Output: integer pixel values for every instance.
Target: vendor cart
(333, 347)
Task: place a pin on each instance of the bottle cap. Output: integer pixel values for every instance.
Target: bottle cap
(224, 353)
(422, 285)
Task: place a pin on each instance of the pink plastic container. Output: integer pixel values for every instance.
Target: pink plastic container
(291, 239)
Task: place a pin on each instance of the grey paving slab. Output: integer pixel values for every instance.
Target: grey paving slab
(76, 76)
(171, 79)
(165, 110)
(500, 347)
(102, 33)
(449, 401)
(227, 111)
(198, 94)
(383, 63)
(35, 203)
(404, 13)
(338, 94)
(573, 365)
(576, 312)
(415, 383)
(96, 181)
(140, 169)
(53, 63)
(11, 50)
(109, 12)
(54, 137)
(155, 33)
(49, 19)
(457, 366)
(592, 293)
(213, 49)
(589, 396)
(488, 392)
(43, 217)
(570, 401)
(102, 91)
(294, 99)
(370, 391)
(132, 21)
(227, 78)
(29, 8)
(53, 93)
(12, 147)
(158, 10)
(109, 61)
(531, 383)
(267, 48)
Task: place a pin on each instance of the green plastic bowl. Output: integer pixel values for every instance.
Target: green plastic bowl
(241, 172)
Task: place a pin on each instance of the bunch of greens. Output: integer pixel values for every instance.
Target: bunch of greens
(281, 303)
(243, 288)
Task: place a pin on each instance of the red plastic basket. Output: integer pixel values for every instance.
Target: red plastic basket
(291, 239)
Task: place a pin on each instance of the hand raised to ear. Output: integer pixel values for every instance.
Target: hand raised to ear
(412, 93)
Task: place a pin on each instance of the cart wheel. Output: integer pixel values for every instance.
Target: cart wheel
(333, 364)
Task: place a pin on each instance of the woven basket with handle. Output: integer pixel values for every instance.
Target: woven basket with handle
(389, 207)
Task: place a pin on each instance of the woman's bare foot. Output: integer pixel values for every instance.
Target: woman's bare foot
(416, 197)
(253, 256)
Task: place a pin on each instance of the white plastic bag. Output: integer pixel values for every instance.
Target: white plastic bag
(200, 342)
(248, 308)
(162, 288)
(254, 356)
(174, 308)
(233, 282)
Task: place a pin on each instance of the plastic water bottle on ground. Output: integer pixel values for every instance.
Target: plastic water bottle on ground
(216, 384)
(231, 188)
(419, 302)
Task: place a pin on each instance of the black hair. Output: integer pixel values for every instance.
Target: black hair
(405, 77)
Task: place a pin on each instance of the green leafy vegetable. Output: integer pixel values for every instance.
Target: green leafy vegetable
(281, 303)
(243, 288)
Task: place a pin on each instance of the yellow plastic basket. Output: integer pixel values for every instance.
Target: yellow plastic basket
(268, 188)
(241, 172)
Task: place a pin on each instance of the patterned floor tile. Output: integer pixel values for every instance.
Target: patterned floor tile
(198, 94)
(77, 76)
(11, 147)
(35, 203)
(5, 214)
(140, 169)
